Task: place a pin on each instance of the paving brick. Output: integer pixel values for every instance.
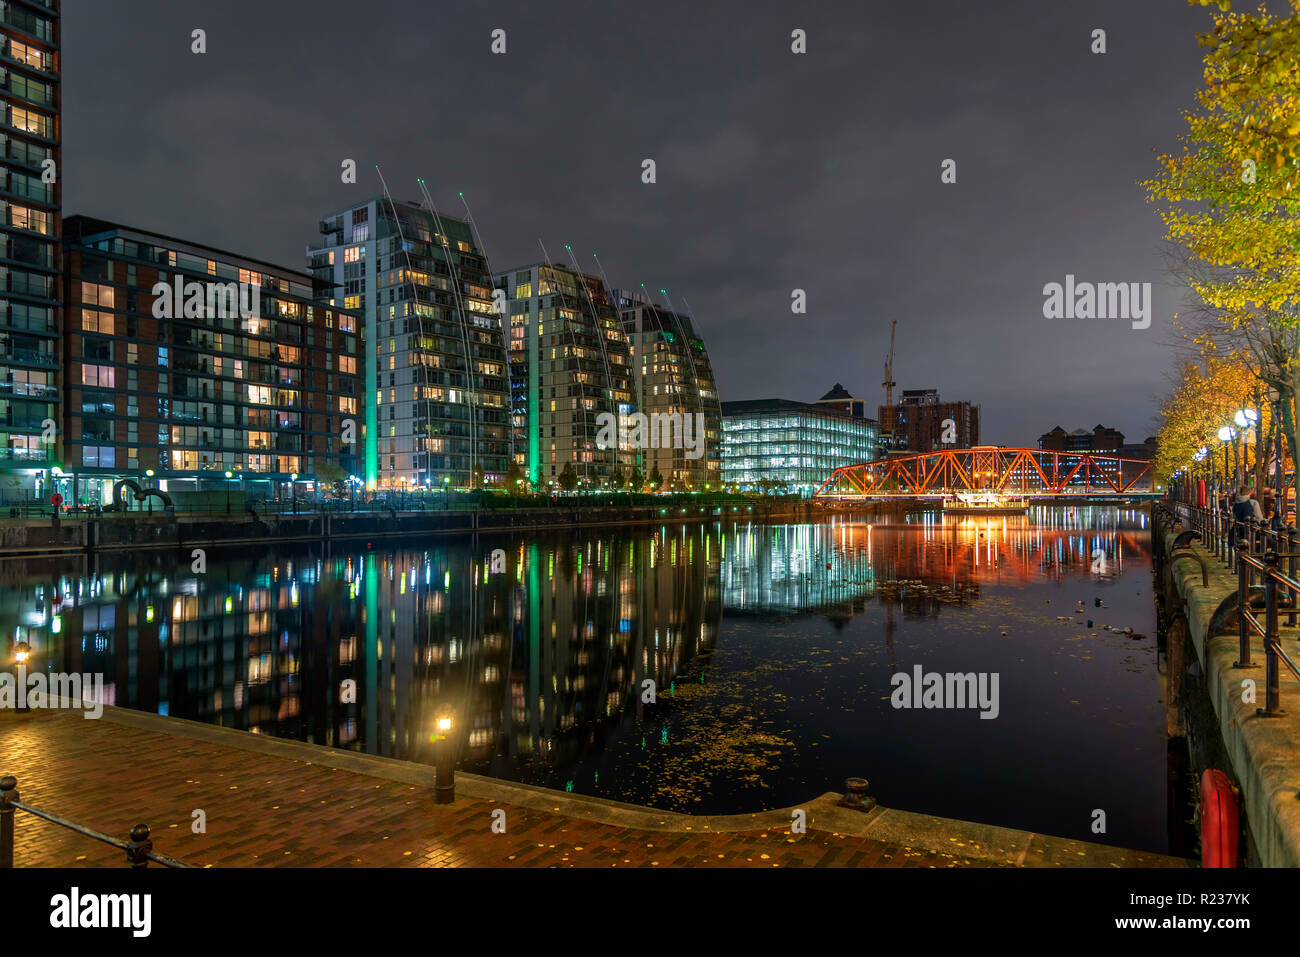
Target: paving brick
(270, 811)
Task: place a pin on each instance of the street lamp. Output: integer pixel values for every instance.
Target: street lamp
(444, 790)
(1245, 420)
(149, 474)
(293, 490)
(229, 476)
(1226, 435)
(1274, 396)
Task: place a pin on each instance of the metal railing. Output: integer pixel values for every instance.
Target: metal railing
(402, 503)
(1255, 550)
(1220, 533)
(139, 848)
(1248, 566)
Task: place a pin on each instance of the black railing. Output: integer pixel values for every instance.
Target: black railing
(1248, 566)
(139, 849)
(1255, 550)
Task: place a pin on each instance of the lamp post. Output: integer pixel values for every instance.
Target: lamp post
(446, 492)
(149, 474)
(229, 476)
(1274, 396)
(1245, 420)
(444, 790)
(1226, 435)
(293, 490)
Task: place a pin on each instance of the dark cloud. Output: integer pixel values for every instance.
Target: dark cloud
(775, 171)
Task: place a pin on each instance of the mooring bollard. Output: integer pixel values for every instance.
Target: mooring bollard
(856, 796)
(8, 795)
(137, 851)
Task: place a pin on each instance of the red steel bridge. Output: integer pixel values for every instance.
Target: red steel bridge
(1027, 473)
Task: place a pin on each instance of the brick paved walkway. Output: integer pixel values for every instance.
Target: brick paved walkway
(266, 810)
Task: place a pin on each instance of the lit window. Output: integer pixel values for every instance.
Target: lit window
(97, 376)
(92, 321)
(29, 120)
(34, 219)
(97, 295)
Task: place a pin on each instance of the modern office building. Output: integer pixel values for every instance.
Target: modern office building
(570, 376)
(796, 445)
(434, 369)
(230, 365)
(673, 377)
(1099, 439)
(31, 201)
(919, 422)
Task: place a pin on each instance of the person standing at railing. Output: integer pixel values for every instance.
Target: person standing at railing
(1243, 511)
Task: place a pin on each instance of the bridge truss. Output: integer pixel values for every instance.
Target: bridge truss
(988, 468)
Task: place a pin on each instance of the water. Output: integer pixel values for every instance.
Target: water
(771, 649)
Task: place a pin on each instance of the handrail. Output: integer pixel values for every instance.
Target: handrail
(1238, 541)
(139, 849)
(1265, 565)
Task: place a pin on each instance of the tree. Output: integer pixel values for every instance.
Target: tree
(479, 477)
(618, 480)
(1233, 197)
(656, 480)
(568, 477)
(1202, 401)
(515, 481)
(637, 481)
(331, 474)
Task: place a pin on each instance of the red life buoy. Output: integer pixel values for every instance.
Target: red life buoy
(1219, 821)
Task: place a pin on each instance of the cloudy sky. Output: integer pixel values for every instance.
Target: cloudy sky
(775, 171)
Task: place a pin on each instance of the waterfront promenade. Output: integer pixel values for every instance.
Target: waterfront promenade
(273, 803)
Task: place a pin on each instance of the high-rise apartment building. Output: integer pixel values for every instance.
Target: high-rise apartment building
(570, 376)
(30, 204)
(229, 366)
(673, 376)
(434, 367)
(919, 422)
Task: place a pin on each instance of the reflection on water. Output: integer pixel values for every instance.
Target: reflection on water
(770, 649)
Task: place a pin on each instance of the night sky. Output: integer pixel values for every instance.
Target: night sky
(775, 171)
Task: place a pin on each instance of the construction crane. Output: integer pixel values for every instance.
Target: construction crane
(887, 420)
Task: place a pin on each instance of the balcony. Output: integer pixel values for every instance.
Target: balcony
(25, 456)
(30, 390)
(28, 357)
